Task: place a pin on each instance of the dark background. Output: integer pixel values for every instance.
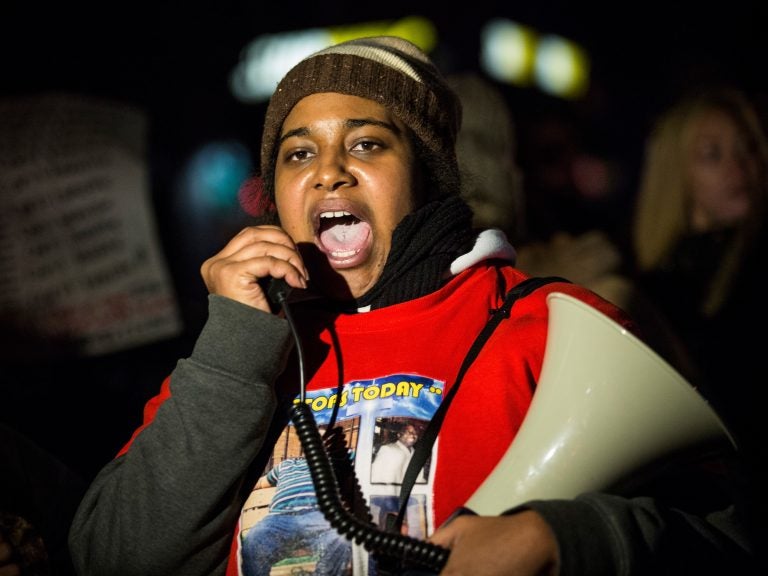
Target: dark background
(172, 60)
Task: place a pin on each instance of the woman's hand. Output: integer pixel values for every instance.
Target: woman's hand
(254, 253)
(520, 544)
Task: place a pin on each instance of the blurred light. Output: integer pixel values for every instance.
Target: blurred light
(561, 67)
(516, 54)
(211, 179)
(507, 51)
(266, 59)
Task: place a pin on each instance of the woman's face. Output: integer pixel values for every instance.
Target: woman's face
(343, 180)
(722, 172)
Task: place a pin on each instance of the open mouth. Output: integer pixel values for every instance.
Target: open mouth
(343, 237)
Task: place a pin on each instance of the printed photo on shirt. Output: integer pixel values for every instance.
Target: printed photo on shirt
(283, 530)
(385, 510)
(393, 442)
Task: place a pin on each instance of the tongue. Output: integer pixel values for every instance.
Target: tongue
(345, 237)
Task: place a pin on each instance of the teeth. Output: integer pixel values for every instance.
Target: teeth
(342, 254)
(335, 214)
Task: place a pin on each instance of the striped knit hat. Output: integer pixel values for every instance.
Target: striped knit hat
(387, 69)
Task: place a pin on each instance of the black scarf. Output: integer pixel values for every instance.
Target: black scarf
(423, 246)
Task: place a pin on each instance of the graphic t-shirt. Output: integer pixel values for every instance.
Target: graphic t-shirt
(371, 414)
(383, 371)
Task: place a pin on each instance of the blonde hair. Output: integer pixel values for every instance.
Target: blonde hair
(663, 204)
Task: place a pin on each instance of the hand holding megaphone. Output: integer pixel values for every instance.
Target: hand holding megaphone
(606, 407)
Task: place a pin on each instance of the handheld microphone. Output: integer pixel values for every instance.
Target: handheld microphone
(278, 291)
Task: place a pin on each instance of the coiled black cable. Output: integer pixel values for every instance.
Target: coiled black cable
(404, 552)
(397, 553)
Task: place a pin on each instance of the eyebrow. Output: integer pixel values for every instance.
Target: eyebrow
(349, 123)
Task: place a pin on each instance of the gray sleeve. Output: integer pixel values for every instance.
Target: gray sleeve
(602, 534)
(170, 504)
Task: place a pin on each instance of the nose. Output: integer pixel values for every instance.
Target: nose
(333, 171)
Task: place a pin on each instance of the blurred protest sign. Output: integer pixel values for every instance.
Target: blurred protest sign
(81, 266)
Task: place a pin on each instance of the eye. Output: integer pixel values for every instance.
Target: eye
(708, 152)
(367, 145)
(296, 155)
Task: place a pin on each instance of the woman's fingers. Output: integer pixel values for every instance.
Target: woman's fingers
(255, 253)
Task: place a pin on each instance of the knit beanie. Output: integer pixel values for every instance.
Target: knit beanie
(389, 70)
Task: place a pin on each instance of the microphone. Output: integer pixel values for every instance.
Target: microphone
(278, 291)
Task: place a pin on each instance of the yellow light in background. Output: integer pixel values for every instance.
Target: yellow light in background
(417, 29)
(266, 58)
(507, 51)
(562, 67)
(517, 54)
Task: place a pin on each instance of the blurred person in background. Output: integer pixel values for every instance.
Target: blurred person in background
(486, 147)
(699, 244)
(549, 243)
(699, 231)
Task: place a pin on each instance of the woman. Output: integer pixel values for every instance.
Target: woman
(390, 288)
(702, 198)
(699, 239)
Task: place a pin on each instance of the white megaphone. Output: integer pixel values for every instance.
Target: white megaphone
(605, 406)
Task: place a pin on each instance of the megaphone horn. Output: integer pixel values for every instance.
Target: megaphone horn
(606, 405)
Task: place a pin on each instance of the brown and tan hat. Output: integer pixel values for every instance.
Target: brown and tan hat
(386, 69)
